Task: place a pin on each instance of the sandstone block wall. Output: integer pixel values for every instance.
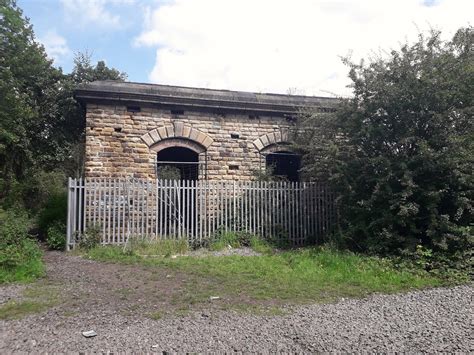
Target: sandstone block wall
(120, 143)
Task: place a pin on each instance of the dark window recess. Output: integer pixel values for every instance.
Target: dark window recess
(234, 136)
(233, 167)
(285, 165)
(254, 117)
(177, 163)
(118, 129)
(133, 109)
(177, 112)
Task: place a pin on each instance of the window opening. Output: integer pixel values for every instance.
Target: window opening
(178, 163)
(284, 164)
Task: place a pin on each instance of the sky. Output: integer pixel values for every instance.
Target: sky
(278, 46)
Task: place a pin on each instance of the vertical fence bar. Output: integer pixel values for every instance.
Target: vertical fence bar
(69, 229)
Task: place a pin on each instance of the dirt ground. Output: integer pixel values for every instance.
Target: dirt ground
(139, 309)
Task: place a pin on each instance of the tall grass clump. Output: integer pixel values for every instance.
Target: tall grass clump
(20, 256)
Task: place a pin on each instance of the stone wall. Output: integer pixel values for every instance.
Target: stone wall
(120, 143)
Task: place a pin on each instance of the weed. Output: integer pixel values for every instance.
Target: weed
(91, 238)
(56, 236)
(156, 315)
(163, 247)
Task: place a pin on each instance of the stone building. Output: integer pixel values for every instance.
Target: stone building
(138, 130)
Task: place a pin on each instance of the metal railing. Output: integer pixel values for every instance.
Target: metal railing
(119, 209)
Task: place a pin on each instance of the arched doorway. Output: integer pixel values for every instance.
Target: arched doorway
(178, 163)
(284, 164)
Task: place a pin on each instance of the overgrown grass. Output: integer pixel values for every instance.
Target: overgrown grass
(25, 272)
(305, 275)
(144, 247)
(223, 240)
(20, 255)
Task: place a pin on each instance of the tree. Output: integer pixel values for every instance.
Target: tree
(400, 152)
(28, 82)
(41, 123)
(72, 128)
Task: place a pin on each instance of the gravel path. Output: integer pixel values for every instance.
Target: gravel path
(423, 321)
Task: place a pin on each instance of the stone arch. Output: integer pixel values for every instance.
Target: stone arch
(178, 132)
(178, 142)
(271, 139)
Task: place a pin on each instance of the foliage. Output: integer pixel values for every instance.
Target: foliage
(53, 212)
(268, 174)
(20, 257)
(400, 152)
(28, 83)
(41, 123)
(84, 71)
(168, 172)
(91, 238)
(56, 236)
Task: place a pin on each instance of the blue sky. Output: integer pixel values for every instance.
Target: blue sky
(255, 45)
(110, 41)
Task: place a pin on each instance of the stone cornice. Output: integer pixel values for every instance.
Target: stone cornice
(202, 99)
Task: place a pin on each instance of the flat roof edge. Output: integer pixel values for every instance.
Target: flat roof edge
(199, 98)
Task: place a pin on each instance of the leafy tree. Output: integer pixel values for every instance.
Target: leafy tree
(401, 151)
(72, 127)
(27, 82)
(85, 72)
(41, 123)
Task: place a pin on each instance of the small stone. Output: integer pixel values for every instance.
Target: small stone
(89, 333)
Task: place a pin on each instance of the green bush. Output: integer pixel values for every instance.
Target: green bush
(56, 236)
(20, 256)
(399, 152)
(53, 212)
(91, 238)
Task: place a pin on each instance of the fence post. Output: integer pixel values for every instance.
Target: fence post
(234, 212)
(69, 204)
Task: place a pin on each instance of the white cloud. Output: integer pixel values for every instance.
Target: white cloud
(55, 45)
(97, 12)
(274, 45)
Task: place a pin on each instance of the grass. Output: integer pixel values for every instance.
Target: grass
(164, 247)
(295, 276)
(36, 299)
(28, 270)
(23, 273)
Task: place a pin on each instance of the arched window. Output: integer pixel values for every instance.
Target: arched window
(284, 164)
(177, 163)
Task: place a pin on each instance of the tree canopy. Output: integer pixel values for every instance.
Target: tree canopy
(400, 152)
(41, 124)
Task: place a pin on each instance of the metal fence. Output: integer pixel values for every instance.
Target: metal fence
(120, 209)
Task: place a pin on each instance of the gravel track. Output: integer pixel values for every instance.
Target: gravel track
(436, 320)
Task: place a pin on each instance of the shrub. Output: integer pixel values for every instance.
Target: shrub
(399, 152)
(56, 236)
(17, 251)
(54, 212)
(91, 238)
